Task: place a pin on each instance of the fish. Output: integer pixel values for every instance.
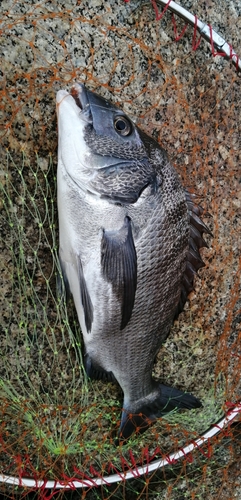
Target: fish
(129, 249)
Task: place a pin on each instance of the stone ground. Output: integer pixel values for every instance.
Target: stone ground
(190, 102)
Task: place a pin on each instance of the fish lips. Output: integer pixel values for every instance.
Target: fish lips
(80, 95)
(77, 96)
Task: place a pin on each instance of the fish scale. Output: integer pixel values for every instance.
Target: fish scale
(130, 236)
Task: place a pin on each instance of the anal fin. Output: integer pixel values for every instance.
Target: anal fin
(96, 372)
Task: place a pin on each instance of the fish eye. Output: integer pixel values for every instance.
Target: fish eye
(122, 125)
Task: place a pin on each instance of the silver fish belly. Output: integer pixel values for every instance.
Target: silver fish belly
(129, 239)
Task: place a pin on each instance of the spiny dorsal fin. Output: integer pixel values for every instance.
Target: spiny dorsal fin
(196, 241)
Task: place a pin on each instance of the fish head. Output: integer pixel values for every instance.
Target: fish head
(100, 148)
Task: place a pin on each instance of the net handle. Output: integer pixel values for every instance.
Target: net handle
(219, 46)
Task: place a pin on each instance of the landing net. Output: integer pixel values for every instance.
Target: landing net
(56, 427)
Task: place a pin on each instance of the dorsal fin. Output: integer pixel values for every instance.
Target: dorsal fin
(196, 241)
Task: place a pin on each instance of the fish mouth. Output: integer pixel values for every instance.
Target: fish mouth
(75, 95)
(79, 94)
(81, 97)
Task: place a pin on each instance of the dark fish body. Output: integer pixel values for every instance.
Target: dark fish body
(129, 248)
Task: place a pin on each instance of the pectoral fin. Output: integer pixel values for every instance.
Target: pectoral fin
(119, 266)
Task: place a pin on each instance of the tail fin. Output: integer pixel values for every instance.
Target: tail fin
(161, 401)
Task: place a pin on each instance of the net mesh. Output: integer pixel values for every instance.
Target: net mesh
(54, 423)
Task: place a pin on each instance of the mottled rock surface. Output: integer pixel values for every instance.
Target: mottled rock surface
(188, 100)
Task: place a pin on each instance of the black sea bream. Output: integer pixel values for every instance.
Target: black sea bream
(129, 248)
